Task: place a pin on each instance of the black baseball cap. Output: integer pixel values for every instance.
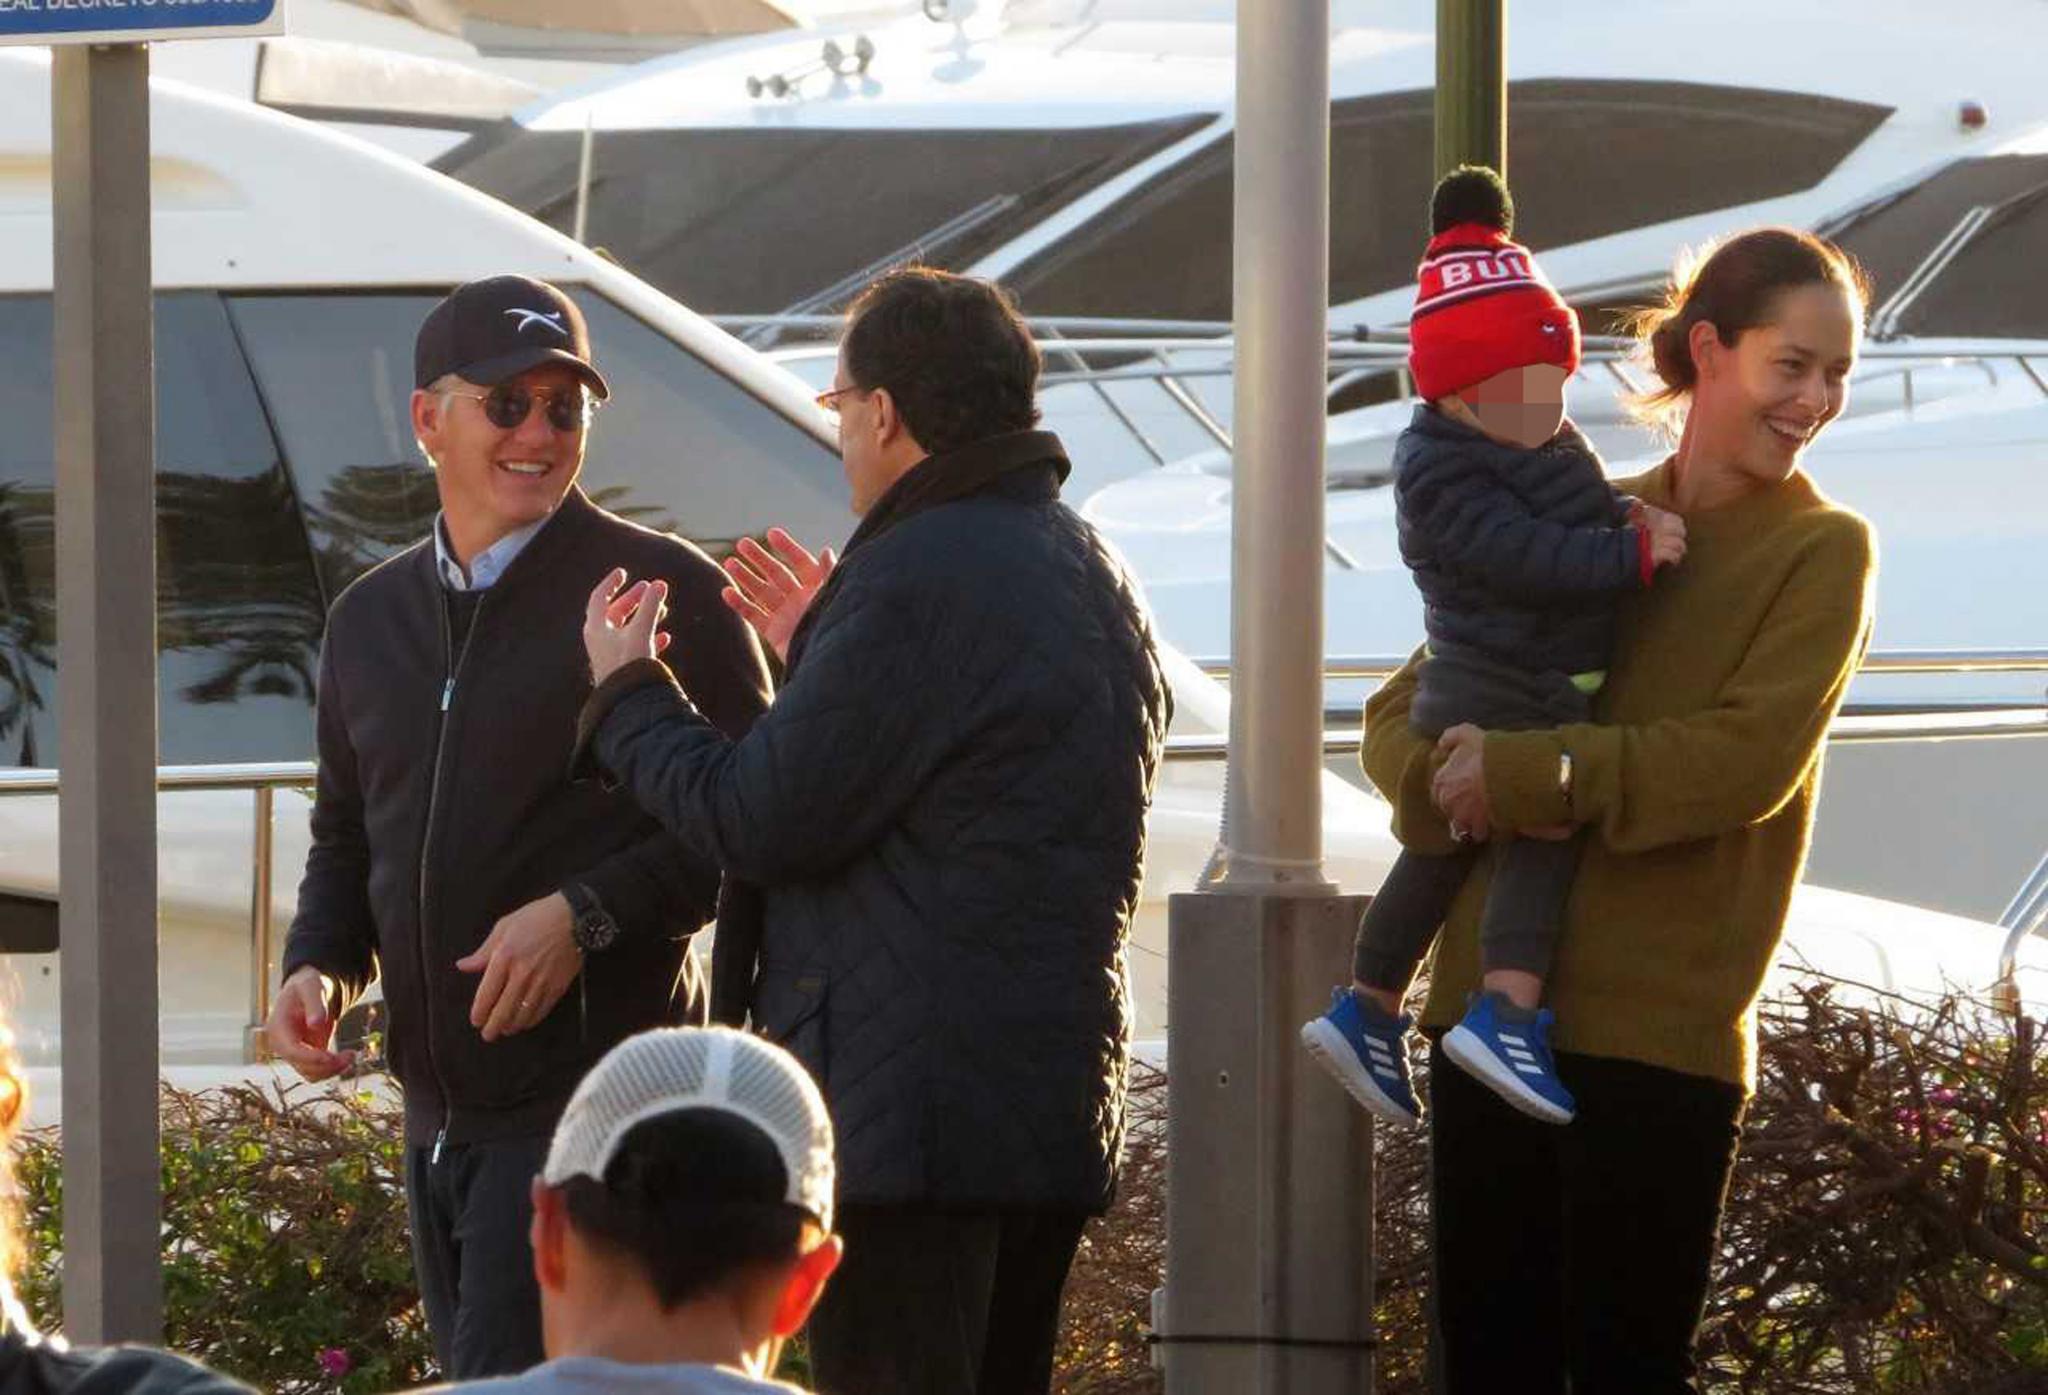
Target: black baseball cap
(490, 330)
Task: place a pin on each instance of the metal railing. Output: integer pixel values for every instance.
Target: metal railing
(2027, 913)
(1157, 352)
(1848, 730)
(262, 781)
(1951, 661)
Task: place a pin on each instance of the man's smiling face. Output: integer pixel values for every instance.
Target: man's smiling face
(495, 480)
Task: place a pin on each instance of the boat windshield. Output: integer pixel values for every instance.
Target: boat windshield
(728, 221)
(1951, 256)
(1588, 158)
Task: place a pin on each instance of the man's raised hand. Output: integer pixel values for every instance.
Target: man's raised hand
(772, 590)
(619, 623)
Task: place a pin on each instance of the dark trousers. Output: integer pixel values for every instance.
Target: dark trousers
(1517, 930)
(470, 1214)
(943, 1302)
(1577, 1258)
(1531, 876)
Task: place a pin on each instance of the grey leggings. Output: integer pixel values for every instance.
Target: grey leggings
(1531, 876)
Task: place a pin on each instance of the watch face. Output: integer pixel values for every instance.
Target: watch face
(595, 931)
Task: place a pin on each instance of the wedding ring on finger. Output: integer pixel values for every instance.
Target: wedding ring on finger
(1460, 833)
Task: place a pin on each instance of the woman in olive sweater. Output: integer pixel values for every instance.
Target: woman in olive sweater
(1584, 1253)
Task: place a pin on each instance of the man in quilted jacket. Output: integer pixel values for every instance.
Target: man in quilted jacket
(945, 809)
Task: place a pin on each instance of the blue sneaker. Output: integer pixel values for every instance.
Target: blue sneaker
(1368, 1053)
(1512, 1059)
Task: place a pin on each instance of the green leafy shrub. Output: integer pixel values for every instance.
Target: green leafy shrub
(1886, 1230)
(286, 1258)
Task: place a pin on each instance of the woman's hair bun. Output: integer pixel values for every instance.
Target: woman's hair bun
(1471, 194)
(1671, 351)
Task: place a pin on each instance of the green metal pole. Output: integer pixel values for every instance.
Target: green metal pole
(1471, 84)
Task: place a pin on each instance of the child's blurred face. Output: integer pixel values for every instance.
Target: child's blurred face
(1521, 407)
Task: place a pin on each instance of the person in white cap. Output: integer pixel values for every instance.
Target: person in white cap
(682, 1225)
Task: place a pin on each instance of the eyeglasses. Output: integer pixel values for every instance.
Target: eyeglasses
(507, 407)
(828, 401)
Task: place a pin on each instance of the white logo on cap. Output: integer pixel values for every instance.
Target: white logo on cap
(526, 317)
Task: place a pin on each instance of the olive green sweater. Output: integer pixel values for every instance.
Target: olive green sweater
(1697, 783)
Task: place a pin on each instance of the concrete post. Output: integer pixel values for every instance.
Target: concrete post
(1269, 1197)
(106, 649)
(1269, 1194)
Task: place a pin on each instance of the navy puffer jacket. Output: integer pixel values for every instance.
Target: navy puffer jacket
(944, 807)
(1520, 554)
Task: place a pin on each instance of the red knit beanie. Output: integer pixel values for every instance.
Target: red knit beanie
(1481, 305)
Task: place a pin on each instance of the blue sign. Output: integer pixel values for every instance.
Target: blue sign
(134, 21)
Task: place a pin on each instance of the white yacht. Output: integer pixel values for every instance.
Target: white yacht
(293, 265)
(1085, 158)
(418, 76)
(1080, 151)
(1943, 449)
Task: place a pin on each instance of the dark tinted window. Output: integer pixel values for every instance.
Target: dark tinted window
(1586, 158)
(238, 614)
(679, 447)
(682, 447)
(1986, 288)
(336, 374)
(28, 631)
(730, 221)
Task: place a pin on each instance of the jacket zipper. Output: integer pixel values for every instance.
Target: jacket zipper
(452, 662)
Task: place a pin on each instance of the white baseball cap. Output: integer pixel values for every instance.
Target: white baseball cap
(676, 1069)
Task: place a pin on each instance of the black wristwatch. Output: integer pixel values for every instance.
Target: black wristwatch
(594, 930)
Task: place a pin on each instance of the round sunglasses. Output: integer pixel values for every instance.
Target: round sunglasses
(507, 407)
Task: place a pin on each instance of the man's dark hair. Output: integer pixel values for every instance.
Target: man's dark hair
(951, 350)
(692, 1199)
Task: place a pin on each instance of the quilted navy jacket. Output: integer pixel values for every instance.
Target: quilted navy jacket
(1520, 554)
(944, 807)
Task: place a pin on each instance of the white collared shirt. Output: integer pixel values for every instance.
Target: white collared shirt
(487, 566)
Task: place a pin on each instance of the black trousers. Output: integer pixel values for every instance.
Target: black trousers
(1577, 1258)
(943, 1302)
(470, 1215)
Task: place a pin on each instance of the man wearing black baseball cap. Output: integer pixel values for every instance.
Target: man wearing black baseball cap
(520, 925)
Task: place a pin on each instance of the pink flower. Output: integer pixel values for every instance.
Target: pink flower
(335, 1363)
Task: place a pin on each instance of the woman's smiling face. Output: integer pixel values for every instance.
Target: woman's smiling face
(1764, 399)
